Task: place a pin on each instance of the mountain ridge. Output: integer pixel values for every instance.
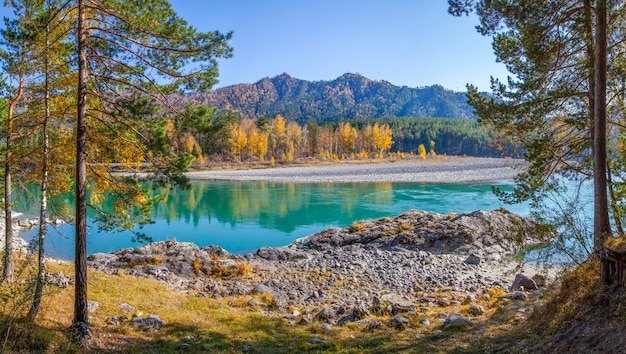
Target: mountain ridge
(349, 96)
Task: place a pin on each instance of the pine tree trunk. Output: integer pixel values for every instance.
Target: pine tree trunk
(601, 229)
(43, 210)
(80, 324)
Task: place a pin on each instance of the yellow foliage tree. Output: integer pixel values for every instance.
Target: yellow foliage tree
(432, 152)
(347, 137)
(258, 143)
(382, 138)
(237, 140)
(421, 151)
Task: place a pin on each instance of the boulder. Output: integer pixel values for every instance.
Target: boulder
(523, 282)
(400, 322)
(476, 310)
(280, 254)
(148, 323)
(456, 321)
(398, 303)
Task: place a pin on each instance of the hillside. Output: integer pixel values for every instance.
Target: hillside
(347, 97)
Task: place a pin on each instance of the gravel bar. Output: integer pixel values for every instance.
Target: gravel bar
(461, 170)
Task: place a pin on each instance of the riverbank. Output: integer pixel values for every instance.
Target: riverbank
(439, 170)
(411, 265)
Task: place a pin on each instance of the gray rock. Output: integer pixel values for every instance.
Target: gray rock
(325, 314)
(540, 280)
(262, 289)
(327, 327)
(280, 300)
(473, 259)
(92, 306)
(374, 325)
(400, 322)
(125, 307)
(523, 282)
(315, 341)
(360, 311)
(116, 321)
(280, 254)
(476, 310)
(398, 303)
(442, 301)
(425, 322)
(148, 323)
(59, 279)
(457, 321)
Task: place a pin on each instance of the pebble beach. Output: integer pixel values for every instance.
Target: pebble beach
(444, 170)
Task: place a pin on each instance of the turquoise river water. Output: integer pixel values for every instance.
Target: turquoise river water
(244, 216)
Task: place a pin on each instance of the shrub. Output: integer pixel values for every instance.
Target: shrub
(243, 268)
(357, 226)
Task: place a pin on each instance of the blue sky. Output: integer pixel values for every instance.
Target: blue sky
(406, 42)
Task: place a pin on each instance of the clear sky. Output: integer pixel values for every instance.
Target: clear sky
(406, 42)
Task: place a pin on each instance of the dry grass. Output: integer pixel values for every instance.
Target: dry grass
(357, 226)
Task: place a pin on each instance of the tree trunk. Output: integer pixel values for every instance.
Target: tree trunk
(43, 210)
(80, 324)
(601, 230)
(7, 274)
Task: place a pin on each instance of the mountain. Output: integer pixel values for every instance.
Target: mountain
(347, 97)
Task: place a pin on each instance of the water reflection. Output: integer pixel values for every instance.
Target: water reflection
(243, 216)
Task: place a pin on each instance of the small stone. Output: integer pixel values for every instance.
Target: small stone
(262, 289)
(246, 348)
(539, 279)
(126, 308)
(473, 259)
(524, 283)
(116, 321)
(325, 314)
(92, 306)
(425, 322)
(400, 322)
(184, 346)
(315, 341)
(327, 327)
(457, 320)
(476, 310)
(374, 325)
(442, 301)
(150, 322)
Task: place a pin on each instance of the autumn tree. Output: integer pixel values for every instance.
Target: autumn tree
(421, 151)
(258, 143)
(237, 140)
(347, 136)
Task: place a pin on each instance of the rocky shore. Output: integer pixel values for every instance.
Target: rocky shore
(389, 266)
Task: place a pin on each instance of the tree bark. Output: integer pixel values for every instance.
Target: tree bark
(601, 230)
(8, 271)
(80, 324)
(43, 207)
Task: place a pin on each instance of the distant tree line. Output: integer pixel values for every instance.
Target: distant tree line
(208, 133)
(451, 136)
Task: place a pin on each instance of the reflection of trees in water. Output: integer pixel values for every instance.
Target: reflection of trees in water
(281, 206)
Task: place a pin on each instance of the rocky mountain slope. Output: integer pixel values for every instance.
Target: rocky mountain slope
(347, 97)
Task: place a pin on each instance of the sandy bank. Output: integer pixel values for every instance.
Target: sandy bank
(458, 170)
